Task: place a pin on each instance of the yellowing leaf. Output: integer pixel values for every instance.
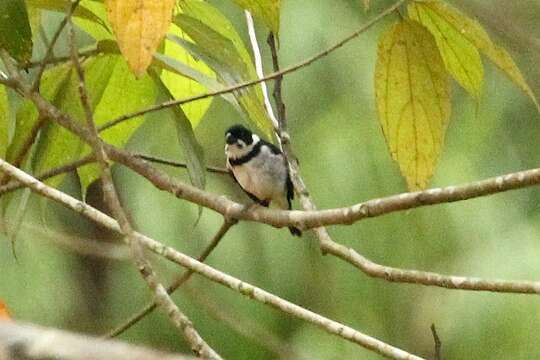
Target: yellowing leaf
(460, 56)
(473, 32)
(4, 314)
(266, 10)
(139, 27)
(413, 100)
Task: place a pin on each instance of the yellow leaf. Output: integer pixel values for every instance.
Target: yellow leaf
(139, 27)
(4, 314)
(460, 56)
(473, 32)
(413, 99)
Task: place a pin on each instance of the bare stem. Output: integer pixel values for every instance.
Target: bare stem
(181, 280)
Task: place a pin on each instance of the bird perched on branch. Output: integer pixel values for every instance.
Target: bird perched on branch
(260, 169)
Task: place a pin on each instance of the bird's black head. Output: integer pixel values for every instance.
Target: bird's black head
(236, 133)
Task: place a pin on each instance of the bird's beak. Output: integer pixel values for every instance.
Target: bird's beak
(230, 139)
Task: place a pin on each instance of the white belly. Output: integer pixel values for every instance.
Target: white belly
(263, 176)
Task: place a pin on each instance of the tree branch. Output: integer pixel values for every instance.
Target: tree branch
(32, 342)
(209, 272)
(437, 341)
(50, 48)
(161, 297)
(181, 280)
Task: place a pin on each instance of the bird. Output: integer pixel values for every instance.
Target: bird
(259, 168)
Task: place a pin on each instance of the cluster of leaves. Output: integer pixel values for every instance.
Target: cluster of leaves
(135, 68)
(415, 59)
(168, 49)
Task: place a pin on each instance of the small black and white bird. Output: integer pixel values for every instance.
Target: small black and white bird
(260, 169)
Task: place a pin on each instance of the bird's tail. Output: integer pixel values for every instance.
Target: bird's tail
(295, 231)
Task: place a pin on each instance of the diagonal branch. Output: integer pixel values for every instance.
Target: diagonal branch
(50, 48)
(181, 280)
(179, 319)
(209, 272)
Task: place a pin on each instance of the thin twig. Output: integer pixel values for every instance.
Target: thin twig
(181, 280)
(271, 76)
(178, 318)
(437, 341)
(74, 165)
(158, 160)
(50, 48)
(14, 185)
(59, 59)
(207, 271)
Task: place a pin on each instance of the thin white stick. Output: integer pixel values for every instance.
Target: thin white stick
(259, 68)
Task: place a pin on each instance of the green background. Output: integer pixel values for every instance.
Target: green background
(344, 160)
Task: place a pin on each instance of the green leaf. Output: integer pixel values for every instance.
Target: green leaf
(460, 56)
(27, 116)
(181, 86)
(4, 121)
(58, 145)
(230, 61)
(413, 100)
(193, 151)
(82, 11)
(121, 93)
(15, 32)
(98, 29)
(266, 10)
(167, 63)
(473, 32)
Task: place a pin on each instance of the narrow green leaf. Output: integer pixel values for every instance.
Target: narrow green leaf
(193, 151)
(181, 86)
(98, 29)
(165, 62)
(266, 10)
(4, 121)
(15, 32)
(413, 100)
(228, 61)
(473, 32)
(460, 56)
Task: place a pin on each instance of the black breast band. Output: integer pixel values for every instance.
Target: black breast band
(250, 155)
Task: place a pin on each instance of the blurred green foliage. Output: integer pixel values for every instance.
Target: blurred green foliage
(344, 160)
